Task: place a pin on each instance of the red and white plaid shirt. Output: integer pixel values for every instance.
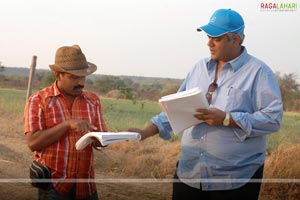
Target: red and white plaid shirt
(48, 108)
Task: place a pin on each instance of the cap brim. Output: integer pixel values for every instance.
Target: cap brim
(82, 72)
(212, 31)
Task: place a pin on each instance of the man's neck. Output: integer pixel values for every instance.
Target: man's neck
(70, 98)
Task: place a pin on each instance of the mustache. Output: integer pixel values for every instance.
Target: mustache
(79, 87)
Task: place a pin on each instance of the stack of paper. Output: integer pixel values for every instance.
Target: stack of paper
(106, 138)
(181, 107)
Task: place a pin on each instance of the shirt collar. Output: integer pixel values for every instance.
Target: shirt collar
(239, 61)
(236, 63)
(52, 91)
(56, 91)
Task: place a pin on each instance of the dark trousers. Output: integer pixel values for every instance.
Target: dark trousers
(51, 194)
(250, 191)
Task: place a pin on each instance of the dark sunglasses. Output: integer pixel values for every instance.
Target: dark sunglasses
(211, 89)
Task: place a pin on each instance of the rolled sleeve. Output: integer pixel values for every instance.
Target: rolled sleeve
(265, 121)
(163, 125)
(265, 116)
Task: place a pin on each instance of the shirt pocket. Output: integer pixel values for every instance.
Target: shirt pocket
(236, 98)
(53, 115)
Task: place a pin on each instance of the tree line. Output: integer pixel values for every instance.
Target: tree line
(153, 89)
(107, 85)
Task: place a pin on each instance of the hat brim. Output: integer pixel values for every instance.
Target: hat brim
(212, 31)
(82, 72)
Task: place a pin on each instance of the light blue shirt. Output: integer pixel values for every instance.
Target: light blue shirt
(220, 157)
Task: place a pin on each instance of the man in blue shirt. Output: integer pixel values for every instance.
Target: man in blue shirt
(223, 157)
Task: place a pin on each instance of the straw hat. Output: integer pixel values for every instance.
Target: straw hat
(70, 59)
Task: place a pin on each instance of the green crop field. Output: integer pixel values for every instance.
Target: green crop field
(121, 114)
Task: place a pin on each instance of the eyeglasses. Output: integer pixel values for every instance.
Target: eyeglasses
(211, 89)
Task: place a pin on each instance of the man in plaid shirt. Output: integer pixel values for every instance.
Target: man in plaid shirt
(56, 117)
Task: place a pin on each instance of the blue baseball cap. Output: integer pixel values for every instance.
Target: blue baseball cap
(224, 21)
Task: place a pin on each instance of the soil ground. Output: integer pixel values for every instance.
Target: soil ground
(15, 158)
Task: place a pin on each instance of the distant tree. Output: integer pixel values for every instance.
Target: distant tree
(170, 88)
(89, 81)
(1, 67)
(47, 78)
(127, 91)
(107, 83)
(153, 86)
(128, 81)
(289, 89)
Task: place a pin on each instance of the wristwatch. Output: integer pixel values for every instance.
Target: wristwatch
(226, 121)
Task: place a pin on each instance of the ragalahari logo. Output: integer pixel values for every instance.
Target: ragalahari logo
(277, 6)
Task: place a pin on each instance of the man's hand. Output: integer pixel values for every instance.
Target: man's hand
(212, 116)
(96, 144)
(81, 126)
(140, 131)
(43, 138)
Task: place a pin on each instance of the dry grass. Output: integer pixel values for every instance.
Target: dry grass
(284, 165)
(151, 158)
(155, 158)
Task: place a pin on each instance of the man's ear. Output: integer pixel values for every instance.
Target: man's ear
(237, 39)
(58, 75)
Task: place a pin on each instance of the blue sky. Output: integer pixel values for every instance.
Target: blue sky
(153, 38)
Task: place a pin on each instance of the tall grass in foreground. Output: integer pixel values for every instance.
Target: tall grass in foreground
(282, 167)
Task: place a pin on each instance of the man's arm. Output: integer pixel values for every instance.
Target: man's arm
(214, 117)
(43, 138)
(146, 132)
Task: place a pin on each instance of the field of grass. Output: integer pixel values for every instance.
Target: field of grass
(289, 132)
(12, 102)
(154, 157)
(121, 114)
